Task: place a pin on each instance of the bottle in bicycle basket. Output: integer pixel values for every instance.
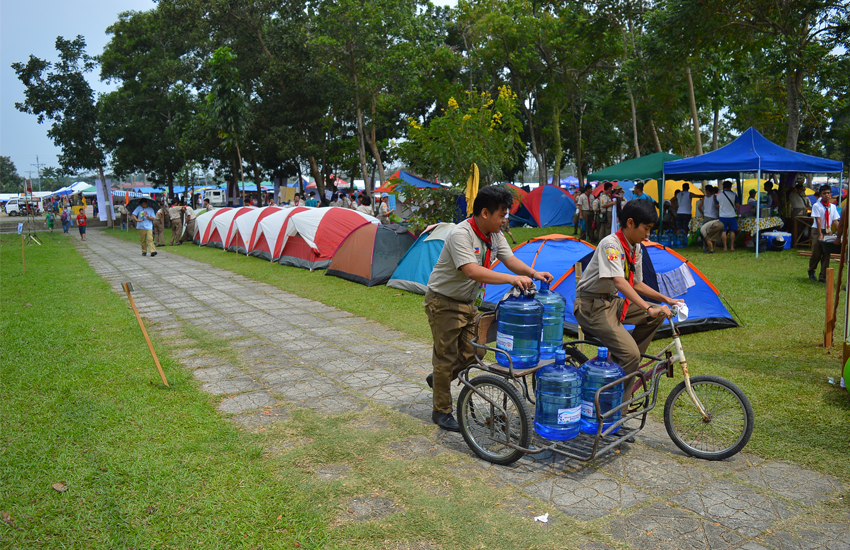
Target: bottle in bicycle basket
(595, 374)
(558, 400)
(519, 322)
(553, 321)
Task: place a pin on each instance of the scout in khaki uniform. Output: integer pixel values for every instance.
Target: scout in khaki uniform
(176, 215)
(616, 266)
(456, 288)
(159, 228)
(189, 232)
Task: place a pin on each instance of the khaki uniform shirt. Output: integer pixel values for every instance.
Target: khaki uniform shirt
(583, 202)
(464, 247)
(609, 261)
(605, 199)
(174, 213)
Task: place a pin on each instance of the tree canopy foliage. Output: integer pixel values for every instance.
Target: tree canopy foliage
(272, 89)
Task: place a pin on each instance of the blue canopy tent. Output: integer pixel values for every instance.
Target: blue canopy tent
(750, 153)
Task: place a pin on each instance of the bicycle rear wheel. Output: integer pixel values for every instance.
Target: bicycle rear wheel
(486, 429)
(730, 418)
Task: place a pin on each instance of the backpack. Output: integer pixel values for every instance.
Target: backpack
(64, 215)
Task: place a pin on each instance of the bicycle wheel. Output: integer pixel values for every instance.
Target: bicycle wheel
(730, 418)
(485, 429)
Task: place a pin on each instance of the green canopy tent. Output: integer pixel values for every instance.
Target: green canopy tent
(650, 167)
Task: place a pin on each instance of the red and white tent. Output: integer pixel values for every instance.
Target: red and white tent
(245, 228)
(311, 238)
(206, 228)
(269, 233)
(222, 226)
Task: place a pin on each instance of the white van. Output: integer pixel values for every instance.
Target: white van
(216, 197)
(16, 206)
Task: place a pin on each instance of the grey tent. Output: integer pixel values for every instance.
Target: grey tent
(370, 254)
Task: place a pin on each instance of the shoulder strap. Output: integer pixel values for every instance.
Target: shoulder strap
(732, 204)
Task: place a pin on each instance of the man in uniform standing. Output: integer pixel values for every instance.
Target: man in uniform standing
(189, 222)
(159, 228)
(176, 215)
(585, 212)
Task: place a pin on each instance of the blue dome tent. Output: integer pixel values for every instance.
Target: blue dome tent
(416, 266)
(546, 206)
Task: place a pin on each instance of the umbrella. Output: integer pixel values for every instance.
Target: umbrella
(131, 206)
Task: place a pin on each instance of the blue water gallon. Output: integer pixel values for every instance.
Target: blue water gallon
(519, 324)
(683, 240)
(666, 239)
(595, 374)
(558, 400)
(553, 321)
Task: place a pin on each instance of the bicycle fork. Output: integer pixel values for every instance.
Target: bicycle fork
(684, 362)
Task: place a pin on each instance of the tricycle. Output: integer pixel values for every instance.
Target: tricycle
(706, 416)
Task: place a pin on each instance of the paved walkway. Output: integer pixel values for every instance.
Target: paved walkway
(304, 353)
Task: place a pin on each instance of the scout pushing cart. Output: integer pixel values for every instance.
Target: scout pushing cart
(706, 416)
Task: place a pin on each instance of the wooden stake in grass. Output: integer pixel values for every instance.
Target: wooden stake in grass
(128, 288)
(827, 333)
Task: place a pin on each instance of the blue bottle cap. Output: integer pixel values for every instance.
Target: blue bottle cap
(560, 355)
(602, 353)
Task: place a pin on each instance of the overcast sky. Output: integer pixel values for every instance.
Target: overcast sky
(30, 27)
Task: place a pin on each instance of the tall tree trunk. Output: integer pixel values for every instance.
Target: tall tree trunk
(371, 139)
(556, 142)
(361, 138)
(577, 118)
(794, 87)
(714, 129)
(634, 120)
(654, 135)
(241, 174)
(317, 175)
(537, 150)
(694, 114)
(255, 171)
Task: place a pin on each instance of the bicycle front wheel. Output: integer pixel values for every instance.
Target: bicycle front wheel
(726, 430)
(485, 428)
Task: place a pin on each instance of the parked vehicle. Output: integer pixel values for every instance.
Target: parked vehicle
(18, 207)
(217, 197)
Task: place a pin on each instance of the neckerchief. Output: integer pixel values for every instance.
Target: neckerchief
(826, 208)
(630, 268)
(487, 242)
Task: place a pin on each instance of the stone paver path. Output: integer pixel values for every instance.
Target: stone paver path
(300, 352)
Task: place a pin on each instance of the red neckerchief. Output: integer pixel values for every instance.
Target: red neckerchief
(487, 242)
(826, 207)
(630, 267)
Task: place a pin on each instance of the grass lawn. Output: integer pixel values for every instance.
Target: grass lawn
(776, 358)
(146, 466)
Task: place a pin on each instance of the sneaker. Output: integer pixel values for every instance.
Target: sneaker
(154, 254)
(446, 421)
(812, 276)
(430, 381)
(144, 253)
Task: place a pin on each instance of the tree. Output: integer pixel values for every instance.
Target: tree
(10, 181)
(477, 129)
(60, 93)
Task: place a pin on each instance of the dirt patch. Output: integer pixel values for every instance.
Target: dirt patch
(369, 507)
(283, 445)
(413, 448)
(332, 472)
(373, 423)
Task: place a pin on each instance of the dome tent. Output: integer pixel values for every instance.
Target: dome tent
(311, 238)
(247, 226)
(416, 266)
(225, 226)
(210, 231)
(371, 253)
(556, 254)
(546, 206)
(268, 238)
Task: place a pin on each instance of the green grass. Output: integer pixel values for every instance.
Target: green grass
(148, 466)
(776, 358)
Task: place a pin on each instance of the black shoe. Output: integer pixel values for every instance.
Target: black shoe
(430, 381)
(446, 421)
(822, 281)
(144, 253)
(154, 254)
(630, 440)
(812, 276)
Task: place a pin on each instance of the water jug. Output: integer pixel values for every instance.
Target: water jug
(595, 374)
(665, 239)
(553, 321)
(683, 240)
(519, 324)
(558, 396)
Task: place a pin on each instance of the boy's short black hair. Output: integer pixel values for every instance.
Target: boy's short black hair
(686, 186)
(639, 185)
(640, 212)
(607, 185)
(492, 197)
(727, 184)
(366, 200)
(588, 187)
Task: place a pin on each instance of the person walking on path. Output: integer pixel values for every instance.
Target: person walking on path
(145, 216)
(81, 223)
(159, 228)
(49, 217)
(176, 215)
(826, 217)
(456, 289)
(66, 219)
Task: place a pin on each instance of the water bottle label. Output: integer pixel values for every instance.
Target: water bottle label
(504, 341)
(587, 409)
(569, 416)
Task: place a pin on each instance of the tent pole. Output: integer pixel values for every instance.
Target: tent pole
(758, 207)
(661, 204)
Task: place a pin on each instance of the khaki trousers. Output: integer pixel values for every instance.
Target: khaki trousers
(190, 231)
(600, 318)
(176, 229)
(820, 255)
(159, 233)
(452, 327)
(587, 232)
(146, 239)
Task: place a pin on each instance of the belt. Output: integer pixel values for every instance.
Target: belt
(449, 298)
(598, 295)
